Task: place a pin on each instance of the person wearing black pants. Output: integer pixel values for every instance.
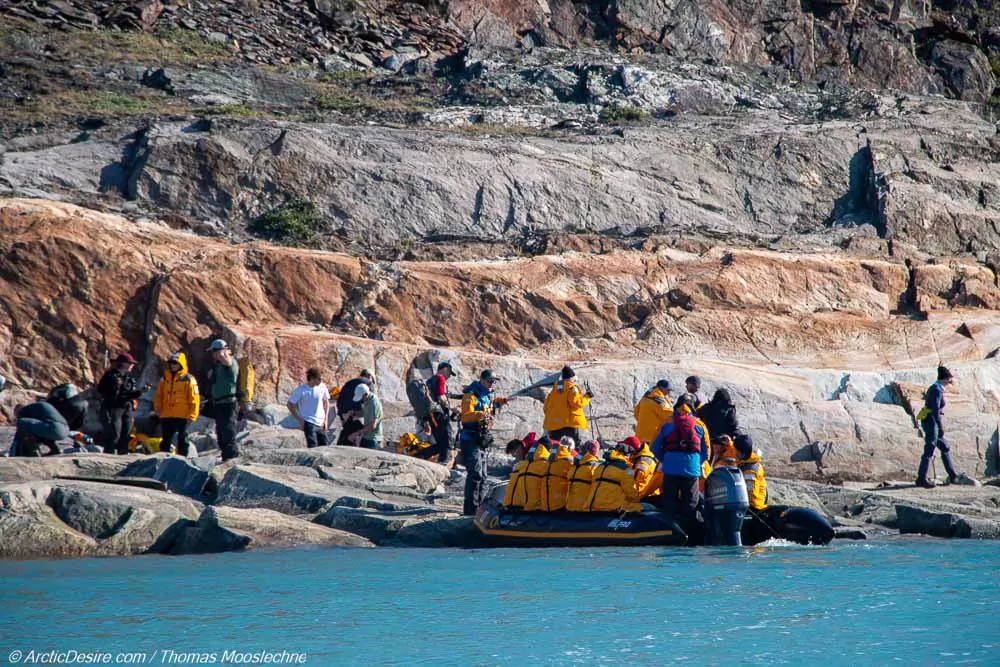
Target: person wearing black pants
(117, 390)
(934, 432)
(225, 428)
(474, 448)
(171, 427)
(441, 413)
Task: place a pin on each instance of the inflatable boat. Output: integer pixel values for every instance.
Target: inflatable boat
(795, 524)
(512, 528)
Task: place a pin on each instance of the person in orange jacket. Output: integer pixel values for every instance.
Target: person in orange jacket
(581, 476)
(177, 402)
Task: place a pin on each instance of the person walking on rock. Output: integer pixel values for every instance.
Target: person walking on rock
(118, 391)
(224, 394)
(478, 409)
(177, 402)
(310, 406)
(371, 415)
(930, 422)
(564, 407)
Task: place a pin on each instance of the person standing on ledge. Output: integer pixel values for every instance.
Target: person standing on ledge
(930, 422)
(310, 406)
(118, 391)
(223, 392)
(176, 402)
(564, 408)
(693, 386)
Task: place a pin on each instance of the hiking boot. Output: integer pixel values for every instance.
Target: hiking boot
(924, 483)
(952, 479)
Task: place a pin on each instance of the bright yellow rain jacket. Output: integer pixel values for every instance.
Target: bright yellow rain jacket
(564, 407)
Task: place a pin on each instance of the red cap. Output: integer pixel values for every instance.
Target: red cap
(530, 439)
(125, 358)
(632, 442)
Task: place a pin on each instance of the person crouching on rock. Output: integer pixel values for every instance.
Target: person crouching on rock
(681, 448)
(176, 402)
(564, 407)
(310, 406)
(371, 414)
(930, 422)
(223, 391)
(118, 391)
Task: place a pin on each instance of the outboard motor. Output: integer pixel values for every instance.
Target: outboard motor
(726, 503)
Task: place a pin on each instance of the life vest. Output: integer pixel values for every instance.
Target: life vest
(477, 405)
(684, 437)
(753, 475)
(533, 479)
(557, 480)
(581, 476)
(613, 487)
(514, 496)
(644, 467)
(410, 445)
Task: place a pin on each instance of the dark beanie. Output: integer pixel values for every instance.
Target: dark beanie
(743, 444)
(568, 373)
(944, 373)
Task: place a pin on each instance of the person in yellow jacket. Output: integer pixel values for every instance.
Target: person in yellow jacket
(752, 468)
(177, 402)
(557, 476)
(564, 407)
(613, 487)
(581, 477)
(526, 489)
(653, 411)
(648, 476)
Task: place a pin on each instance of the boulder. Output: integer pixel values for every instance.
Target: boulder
(353, 465)
(379, 527)
(20, 469)
(124, 520)
(945, 524)
(30, 529)
(221, 529)
(178, 473)
(443, 532)
(68, 518)
(298, 490)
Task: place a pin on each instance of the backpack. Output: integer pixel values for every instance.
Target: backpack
(420, 397)
(246, 378)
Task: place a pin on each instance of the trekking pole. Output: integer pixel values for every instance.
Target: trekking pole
(593, 422)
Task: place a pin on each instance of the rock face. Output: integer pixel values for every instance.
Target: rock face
(768, 325)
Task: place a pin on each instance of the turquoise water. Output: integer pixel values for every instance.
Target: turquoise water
(919, 601)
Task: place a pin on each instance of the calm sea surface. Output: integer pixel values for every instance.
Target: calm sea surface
(908, 601)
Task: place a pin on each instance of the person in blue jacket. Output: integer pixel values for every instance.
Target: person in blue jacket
(933, 431)
(681, 449)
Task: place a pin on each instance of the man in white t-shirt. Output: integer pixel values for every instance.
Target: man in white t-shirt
(310, 405)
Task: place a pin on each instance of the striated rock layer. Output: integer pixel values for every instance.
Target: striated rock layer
(825, 351)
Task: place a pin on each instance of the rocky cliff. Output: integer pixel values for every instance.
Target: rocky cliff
(796, 200)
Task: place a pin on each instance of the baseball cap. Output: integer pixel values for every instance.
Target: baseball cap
(361, 391)
(488, 376)
(125, 358)
(218, 344)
